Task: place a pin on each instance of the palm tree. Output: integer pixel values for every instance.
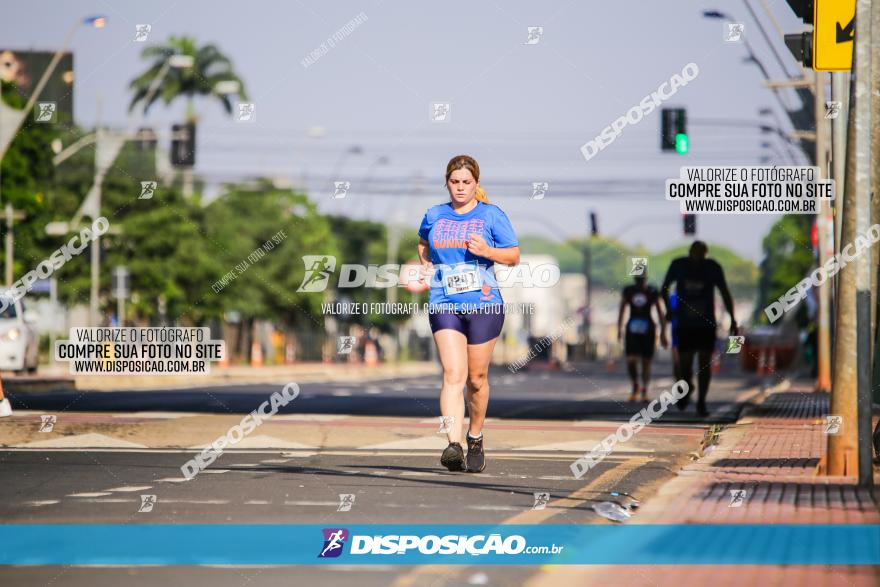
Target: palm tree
(209, 68)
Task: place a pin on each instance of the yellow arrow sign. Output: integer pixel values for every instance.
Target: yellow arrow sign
(833, 31)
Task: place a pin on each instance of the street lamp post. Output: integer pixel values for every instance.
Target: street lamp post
(17, 118)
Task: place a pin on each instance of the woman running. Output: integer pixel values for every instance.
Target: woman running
(464, 238)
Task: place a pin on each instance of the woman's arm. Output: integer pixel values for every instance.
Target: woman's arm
(424, 252)
(509, 256)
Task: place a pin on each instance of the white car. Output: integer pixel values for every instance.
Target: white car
(19, 349)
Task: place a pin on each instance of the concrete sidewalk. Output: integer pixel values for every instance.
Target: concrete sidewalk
(771, 455)
(238, 374)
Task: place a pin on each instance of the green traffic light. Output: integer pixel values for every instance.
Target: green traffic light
(681, 143)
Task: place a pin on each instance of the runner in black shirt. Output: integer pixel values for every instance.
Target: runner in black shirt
(696, 278)
(640, 331)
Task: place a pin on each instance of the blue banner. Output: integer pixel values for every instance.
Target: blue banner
(247, 544)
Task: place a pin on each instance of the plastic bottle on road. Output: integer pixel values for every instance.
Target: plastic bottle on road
(612, 511)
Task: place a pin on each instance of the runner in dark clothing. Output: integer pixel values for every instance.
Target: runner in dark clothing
(641, 333)
(696, 278)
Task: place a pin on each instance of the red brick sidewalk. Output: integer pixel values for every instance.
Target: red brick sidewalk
(770, 454)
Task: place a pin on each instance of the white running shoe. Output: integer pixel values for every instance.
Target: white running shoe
(5, 408)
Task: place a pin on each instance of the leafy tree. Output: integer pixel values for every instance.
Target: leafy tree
(788, 257)
(242, 220)
(210, 67)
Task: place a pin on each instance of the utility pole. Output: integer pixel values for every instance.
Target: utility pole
(839, 93)
(11, 216)
(875, 211)
(849, 451)
(823, 224)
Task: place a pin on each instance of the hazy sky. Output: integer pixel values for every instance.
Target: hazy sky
(522, 110)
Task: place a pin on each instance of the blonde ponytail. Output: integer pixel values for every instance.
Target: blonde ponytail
(481, 195)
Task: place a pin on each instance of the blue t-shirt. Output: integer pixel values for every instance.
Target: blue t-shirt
(446, 232)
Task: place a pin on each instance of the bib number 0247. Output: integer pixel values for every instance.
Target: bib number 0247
(462, 277)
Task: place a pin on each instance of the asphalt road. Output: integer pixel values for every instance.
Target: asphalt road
(372, 441)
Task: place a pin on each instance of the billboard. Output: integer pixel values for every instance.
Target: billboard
(24, 69)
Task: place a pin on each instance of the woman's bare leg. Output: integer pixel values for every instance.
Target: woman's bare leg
(452, 347)
(478, 357)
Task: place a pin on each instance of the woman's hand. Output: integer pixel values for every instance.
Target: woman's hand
(477, 246)
(426, 273)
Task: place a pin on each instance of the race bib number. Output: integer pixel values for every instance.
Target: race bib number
(639, 326)
(462, 277)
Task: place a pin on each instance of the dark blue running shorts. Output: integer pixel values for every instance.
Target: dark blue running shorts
(478, 326)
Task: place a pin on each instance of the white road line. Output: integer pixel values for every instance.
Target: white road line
(316, 503)
(257, 502)
(42, 502)
(197, 501)
(130, 488)
(108, 500)
(90, 440)
(90, 494)
(173, 480)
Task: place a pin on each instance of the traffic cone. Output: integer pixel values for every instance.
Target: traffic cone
(256, 354)
(371, 355)
(223, 361)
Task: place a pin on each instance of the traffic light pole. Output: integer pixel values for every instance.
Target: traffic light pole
(823, 224)
(588, 276)
(849, 451)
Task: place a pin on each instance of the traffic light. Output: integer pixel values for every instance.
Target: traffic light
(673, 130)
(829, 46)
(690, 224)
(183, 145)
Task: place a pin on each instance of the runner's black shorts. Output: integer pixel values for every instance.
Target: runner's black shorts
(640, 345)
(695, 338)
(477, 326)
